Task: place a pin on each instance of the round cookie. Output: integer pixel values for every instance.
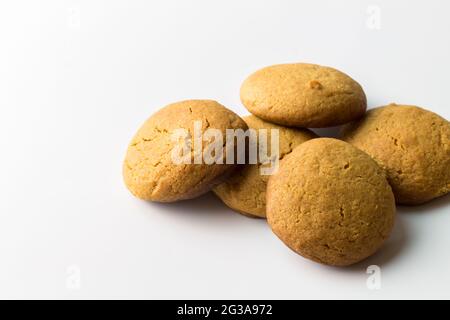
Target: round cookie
(303, 95)
(330, 203)
(149, 170)
(411, 144)
(245, 190)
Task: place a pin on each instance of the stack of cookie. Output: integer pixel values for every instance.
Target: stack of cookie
(332, 201)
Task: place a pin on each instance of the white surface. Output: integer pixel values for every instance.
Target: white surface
(77, 78)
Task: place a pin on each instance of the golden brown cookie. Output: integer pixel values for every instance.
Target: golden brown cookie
(149, 170)
(245, 190)
(303, 95)
(330, 202)
(411, 144)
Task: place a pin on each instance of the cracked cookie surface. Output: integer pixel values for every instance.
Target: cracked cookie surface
(245, 190)
(303, 95)
(411, 144)
(148, 170)
(330, 202)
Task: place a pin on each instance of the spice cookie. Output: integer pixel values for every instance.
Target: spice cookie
(245, 190)
(149, 169)
(303, 95)
(411, 144)
(330, 202)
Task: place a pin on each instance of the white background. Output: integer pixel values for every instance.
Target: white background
(77, 78)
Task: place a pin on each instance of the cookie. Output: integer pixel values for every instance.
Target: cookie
(245, 190)
(149, 170)
(303, 95)
(330, 202)
(411, 144)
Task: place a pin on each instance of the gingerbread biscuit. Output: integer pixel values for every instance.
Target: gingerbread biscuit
(245, 190)
(330, 202)
(303, 95)
(411, 144)
(149, 169)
